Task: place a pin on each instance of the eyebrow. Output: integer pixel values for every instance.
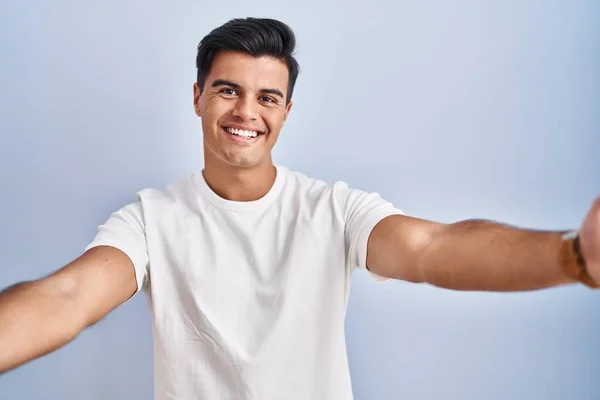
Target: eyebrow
(224, 82)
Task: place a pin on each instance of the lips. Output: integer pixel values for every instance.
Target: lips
(240, 134)
(247, 133)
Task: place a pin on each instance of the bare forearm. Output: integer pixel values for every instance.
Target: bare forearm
(483, 255)
(34, 320)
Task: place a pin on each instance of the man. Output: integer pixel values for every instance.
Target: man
(247, 264)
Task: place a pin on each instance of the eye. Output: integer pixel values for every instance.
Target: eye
(268, 99)
(228, 91)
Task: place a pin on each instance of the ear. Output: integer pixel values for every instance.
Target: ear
(288, 108)
(197, 93)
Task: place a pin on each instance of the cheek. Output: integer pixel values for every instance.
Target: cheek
(214, 110)
(275, 122)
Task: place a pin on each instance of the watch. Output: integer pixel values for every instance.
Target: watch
(572, 260)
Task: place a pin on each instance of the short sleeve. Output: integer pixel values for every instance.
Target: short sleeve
(125, 231)
(362, 211)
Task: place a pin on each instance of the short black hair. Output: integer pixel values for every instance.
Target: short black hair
(255, 36)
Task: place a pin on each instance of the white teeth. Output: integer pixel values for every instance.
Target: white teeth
(242, 133)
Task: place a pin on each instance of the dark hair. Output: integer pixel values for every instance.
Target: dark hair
(255, 36)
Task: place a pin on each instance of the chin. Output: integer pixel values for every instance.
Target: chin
(243, 162)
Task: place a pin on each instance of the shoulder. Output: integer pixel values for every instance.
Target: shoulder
(173, 195)
(338, 195)
(339, 190)
(302, 183)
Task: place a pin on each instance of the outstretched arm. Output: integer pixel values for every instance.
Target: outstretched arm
(477, 254)
(41, 316)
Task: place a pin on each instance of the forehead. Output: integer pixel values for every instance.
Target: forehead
(250, 72)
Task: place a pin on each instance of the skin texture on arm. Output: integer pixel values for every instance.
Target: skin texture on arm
(40, 316)
(476, 254)
(468, 255)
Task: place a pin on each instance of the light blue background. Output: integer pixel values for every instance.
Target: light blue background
(451, 110)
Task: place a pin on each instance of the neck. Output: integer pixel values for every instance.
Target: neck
(240, 184)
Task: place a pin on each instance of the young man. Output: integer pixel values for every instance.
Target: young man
(247, 264)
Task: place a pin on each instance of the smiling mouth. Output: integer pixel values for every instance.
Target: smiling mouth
(242, 134)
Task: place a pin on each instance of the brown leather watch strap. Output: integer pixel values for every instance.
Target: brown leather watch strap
(572, 260)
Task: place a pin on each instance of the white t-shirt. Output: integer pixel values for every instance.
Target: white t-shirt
(248, 298)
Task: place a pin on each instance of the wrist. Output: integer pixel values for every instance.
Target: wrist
(572, 260)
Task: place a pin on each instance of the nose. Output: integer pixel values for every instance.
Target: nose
(246, 108)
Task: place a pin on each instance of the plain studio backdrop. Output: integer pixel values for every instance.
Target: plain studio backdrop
(451, 110)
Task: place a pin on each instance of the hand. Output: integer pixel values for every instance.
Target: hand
(589, 240)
